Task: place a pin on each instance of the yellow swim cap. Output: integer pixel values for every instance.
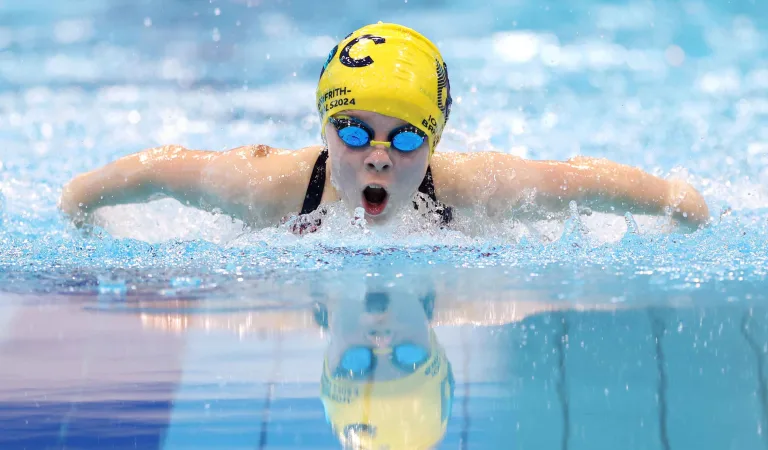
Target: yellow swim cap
(406, 413)
(391, 70)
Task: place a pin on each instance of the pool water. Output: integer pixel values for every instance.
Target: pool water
(170, 328)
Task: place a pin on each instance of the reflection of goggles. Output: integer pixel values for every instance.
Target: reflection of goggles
(356, 133)
(359, 362)
(408, 412)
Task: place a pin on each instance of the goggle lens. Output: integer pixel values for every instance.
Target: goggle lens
(407, 141)
(358, 362)
(354, 136)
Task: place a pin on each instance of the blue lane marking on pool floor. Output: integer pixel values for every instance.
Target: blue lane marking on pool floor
(249, 393)
(612, 381)
(708, 353)
(218, 408)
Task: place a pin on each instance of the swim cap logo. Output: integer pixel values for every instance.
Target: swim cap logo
(329, 59)
(444, 99)
(359, 62)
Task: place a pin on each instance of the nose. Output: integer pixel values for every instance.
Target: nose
(380, 338)
(378, 160)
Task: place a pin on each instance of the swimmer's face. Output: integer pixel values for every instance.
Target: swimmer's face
(378, 178)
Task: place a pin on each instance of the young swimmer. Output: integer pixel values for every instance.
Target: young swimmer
(384, 99)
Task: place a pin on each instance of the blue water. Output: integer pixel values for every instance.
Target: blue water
(177, 329)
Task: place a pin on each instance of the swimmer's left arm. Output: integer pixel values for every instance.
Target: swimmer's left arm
(502, 183)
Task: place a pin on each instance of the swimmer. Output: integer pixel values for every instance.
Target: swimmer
(384, 99)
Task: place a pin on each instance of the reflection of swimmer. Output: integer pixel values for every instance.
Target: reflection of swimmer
(384, 99)
(386, 381)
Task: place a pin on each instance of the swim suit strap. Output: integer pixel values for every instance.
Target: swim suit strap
(427, 187)
(316, 184)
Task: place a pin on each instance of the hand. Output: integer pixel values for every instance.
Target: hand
(688, 205)
(70, 203)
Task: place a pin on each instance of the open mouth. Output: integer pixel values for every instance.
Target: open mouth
(374, 199)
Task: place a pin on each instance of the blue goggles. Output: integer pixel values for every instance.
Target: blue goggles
(359, 362)
(356, 134)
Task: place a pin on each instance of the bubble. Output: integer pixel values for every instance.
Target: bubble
(185, 282)
(674, 55)
(134, 117)
(112, 287)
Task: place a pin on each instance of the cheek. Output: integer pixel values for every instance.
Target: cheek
(344, 168)
(341, 157)
(412, 169)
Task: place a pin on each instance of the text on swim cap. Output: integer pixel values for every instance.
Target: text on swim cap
(336, 392)
(429, 124)
(337, 97)
(331, 94)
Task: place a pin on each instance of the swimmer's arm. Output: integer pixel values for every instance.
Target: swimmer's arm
(237, 182)
(606, 186)
(598, 184)
(136, 178)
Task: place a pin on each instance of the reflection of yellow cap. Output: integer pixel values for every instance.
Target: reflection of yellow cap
(391, 70)
(405, 413)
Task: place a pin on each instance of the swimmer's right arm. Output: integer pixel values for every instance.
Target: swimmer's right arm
(247, 183)
(134, 178)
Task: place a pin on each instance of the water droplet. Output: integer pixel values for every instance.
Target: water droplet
(112, 287)
(632, 227)
(185, 282)
(134, 117)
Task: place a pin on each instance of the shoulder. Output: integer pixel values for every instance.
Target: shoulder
(460, 161)
(457, 167)
(274, 178)
(261, 153)
(461, 177)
